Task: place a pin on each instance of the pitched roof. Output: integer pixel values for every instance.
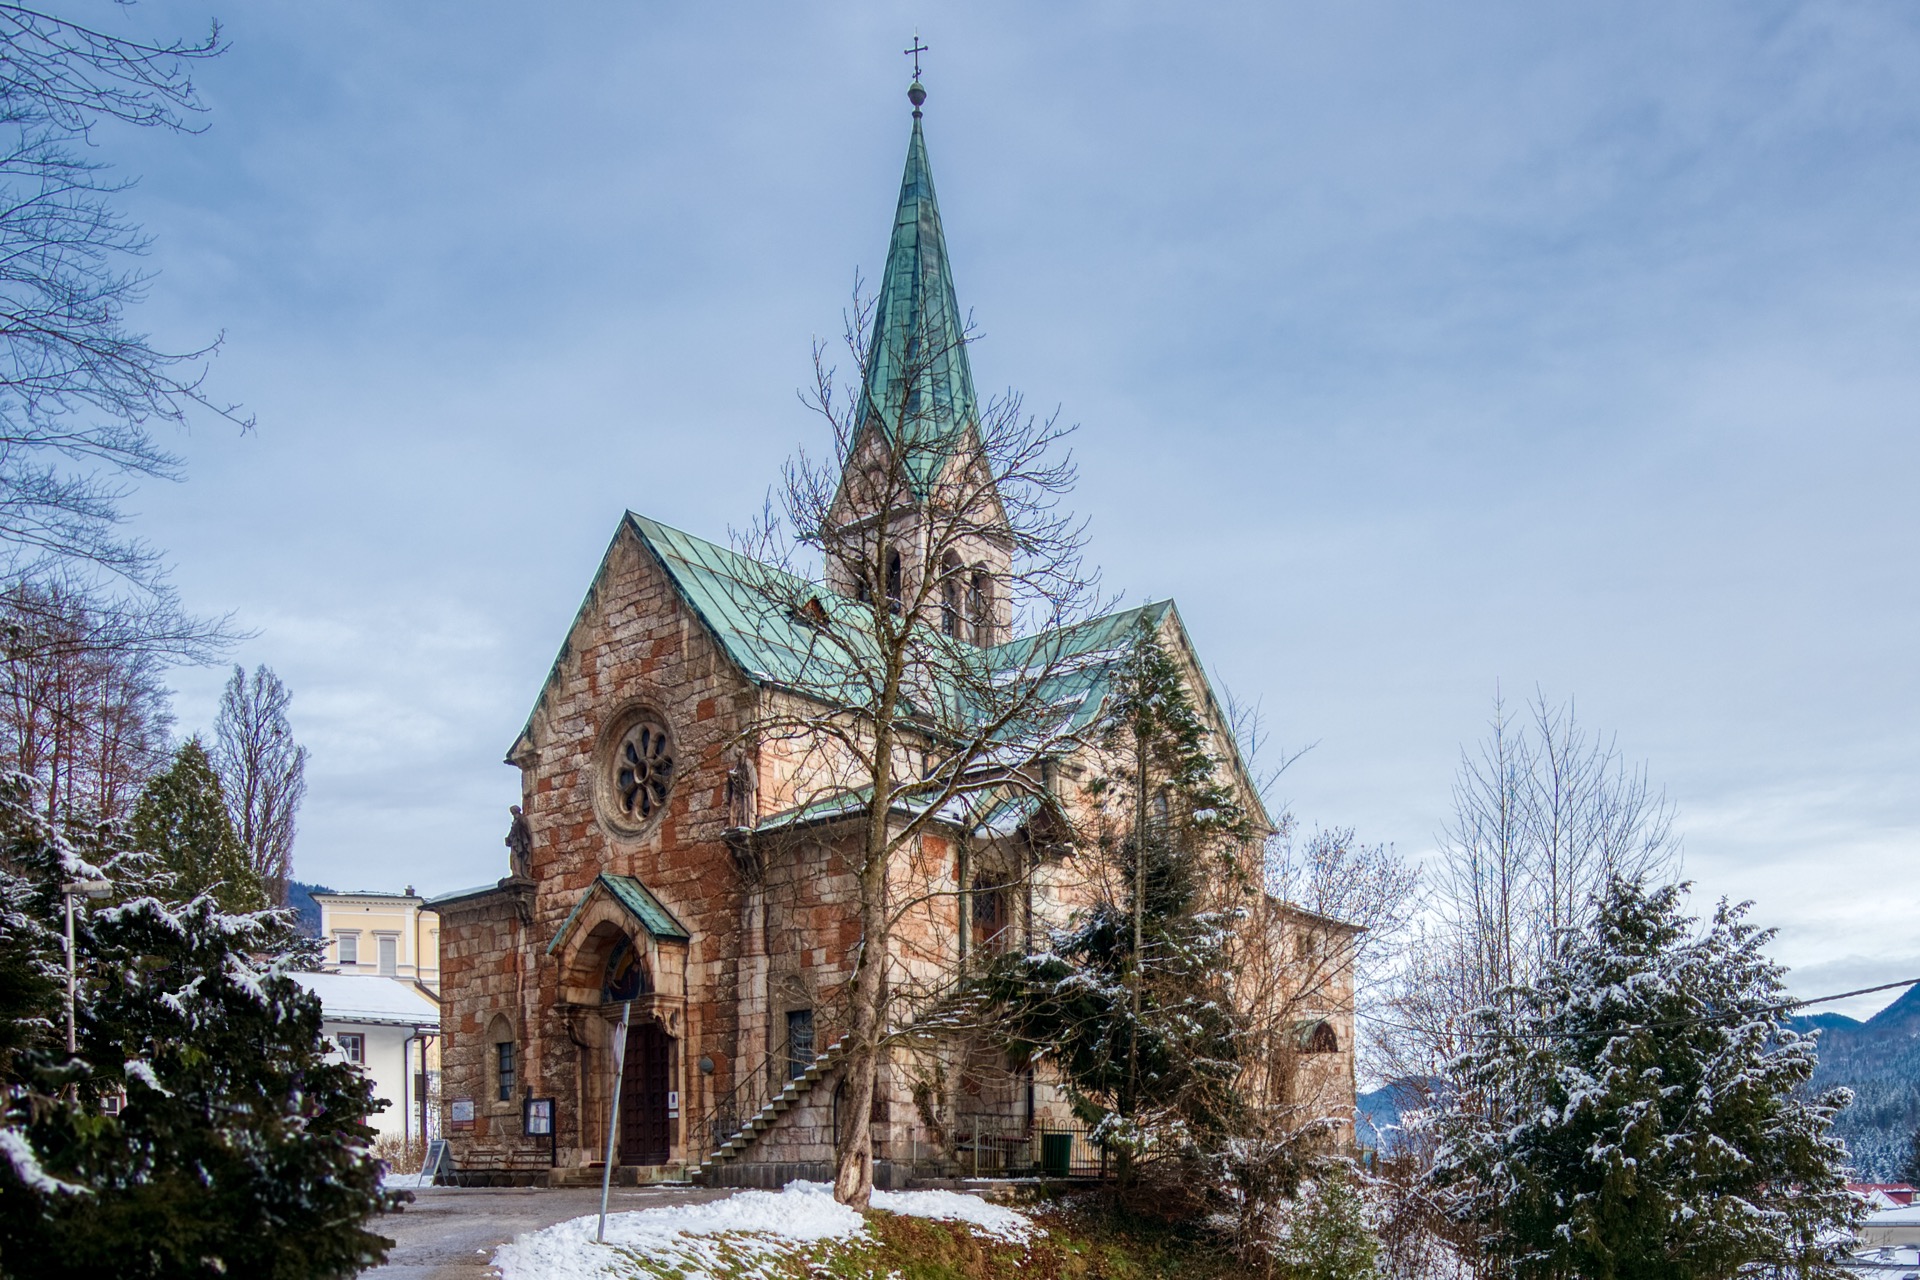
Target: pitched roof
(634, 897)
(371, 998)
(745, 606)
(918, 382)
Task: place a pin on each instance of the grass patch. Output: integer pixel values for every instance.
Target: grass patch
(1081, 1243)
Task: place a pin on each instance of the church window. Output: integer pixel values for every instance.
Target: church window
(643, 771)
(894, 586)
(950, 575)
(503, 1069)
(1160, 808)
(626, 976)
(980, 605)
(799, 1041)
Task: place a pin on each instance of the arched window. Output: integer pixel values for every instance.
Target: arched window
(626, 974)
(980, 605)
(894, 586)
(950, 579)
(1317, 1037)
(502, 1057)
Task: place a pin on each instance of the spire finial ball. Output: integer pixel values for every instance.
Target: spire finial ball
(916, 94)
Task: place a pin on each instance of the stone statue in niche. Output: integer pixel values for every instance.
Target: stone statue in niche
(520, 846)
(740, 794)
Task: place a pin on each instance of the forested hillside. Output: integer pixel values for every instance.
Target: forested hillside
(1880, 1061)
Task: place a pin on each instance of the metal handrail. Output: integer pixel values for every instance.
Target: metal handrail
(725, 1114)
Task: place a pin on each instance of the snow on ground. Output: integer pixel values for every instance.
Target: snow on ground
(739, 1236)
(997, 1221)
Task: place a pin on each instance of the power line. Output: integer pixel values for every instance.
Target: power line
(1665, 1025)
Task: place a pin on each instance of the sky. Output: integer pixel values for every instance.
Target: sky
(1419, 352)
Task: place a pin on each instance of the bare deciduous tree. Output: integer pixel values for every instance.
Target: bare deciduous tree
(263, 773)
(83, 709)
(78, 389)
(1544, 814)
(911, 553)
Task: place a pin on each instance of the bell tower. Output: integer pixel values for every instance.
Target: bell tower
(916, 487)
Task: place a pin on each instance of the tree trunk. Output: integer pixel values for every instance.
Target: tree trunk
(853, 1141)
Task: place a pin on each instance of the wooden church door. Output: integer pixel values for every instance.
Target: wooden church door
(645, 1137)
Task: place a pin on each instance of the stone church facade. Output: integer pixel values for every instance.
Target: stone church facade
(671, 869)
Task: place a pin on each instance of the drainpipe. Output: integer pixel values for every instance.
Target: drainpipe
(406, 1083)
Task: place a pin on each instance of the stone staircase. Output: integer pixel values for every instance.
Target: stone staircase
(762, 1120)
(944, 1016)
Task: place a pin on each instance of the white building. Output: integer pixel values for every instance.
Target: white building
(386, 1027)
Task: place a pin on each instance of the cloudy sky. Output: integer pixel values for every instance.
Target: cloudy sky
(1420, 351)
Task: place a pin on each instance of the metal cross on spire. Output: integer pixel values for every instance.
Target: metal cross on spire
(914, 52)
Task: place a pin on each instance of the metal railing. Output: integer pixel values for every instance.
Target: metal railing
(989, 1147)
(752, 1090)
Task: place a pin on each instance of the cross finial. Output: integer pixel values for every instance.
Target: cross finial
(916, 92)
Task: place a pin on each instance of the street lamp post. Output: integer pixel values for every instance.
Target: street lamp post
(77, 889)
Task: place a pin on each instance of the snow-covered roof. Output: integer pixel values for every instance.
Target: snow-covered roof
(368, 997)
(1907, 1215)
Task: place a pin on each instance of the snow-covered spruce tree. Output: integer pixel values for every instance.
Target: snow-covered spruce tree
(1639, 1112)
(1132, 1002)
(182, 818)
(240, 1147)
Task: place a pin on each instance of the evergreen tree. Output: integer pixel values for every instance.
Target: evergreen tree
(1910, 1167)
(1131, 1002)
(1639, 1112)
(182, 818)
(1328, 1237)
(241, 1147)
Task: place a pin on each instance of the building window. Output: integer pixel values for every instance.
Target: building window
(348, 943)
(1318, 1037)
(950, 575)
(642, 771)
(626, 975)
(354, 1046)
(895, 587)
(388, 945)
(989, 914)
(799, 1041)
(503, 1069)
(980, 606)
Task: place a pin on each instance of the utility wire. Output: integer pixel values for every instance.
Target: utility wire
(1666, 1025)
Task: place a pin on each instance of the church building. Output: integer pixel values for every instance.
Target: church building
(679, 899)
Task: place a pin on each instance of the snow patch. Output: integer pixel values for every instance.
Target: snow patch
(996, 1221)
(26, 1166)
(742, 1235)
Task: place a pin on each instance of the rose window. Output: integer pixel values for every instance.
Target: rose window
(642, 771)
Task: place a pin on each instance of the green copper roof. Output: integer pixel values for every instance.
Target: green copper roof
(639, 903)
(746, 606)
(743, 603)
(918, 386)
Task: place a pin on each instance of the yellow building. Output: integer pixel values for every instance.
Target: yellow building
(395, 935)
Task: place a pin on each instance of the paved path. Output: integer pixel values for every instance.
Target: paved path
(449, 1233)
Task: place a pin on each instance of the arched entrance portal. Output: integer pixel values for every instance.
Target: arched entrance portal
(646, 1125)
